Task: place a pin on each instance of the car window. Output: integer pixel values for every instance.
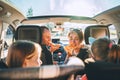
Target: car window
(64, 7)
(7, 39)
(113, 33)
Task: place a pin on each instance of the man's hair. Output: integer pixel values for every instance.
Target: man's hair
(42, 28)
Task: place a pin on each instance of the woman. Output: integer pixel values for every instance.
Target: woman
(76, 46)
(24, 53)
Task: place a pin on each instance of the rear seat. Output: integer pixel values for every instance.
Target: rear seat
(102, 71)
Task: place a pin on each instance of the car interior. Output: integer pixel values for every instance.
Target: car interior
(27, 28)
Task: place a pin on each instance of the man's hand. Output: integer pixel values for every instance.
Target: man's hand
(54, 47)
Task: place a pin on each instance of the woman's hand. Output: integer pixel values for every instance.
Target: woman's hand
(73, 49)
(77, 48)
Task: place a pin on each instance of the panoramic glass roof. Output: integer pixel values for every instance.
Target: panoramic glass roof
(87, 8)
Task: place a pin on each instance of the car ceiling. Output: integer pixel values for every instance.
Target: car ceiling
(11, 15)
(58, 19)
(110, 16)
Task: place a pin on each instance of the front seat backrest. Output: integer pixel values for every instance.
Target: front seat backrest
(102, 71)
(96, 31)
(28, 32)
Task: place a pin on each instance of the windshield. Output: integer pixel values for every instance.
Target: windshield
(87, 8)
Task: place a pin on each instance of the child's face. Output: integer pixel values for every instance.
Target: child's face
(34, 60)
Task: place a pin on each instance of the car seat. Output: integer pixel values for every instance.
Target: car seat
(28, 32)
(95, 31)
(102, 71)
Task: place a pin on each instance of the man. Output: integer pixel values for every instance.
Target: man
(47, 46)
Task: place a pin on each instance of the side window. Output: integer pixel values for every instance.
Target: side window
(113, 33)
(7, 36)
